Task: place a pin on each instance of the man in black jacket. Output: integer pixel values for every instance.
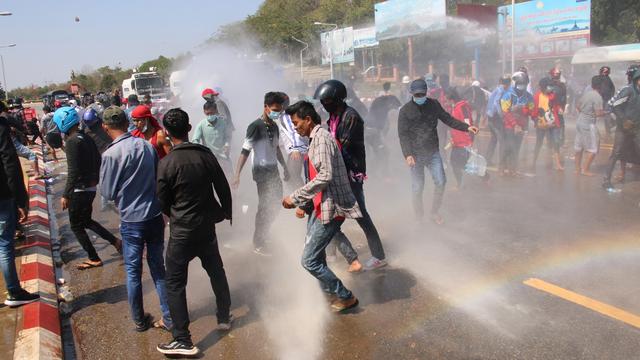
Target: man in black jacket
(13, 200)
(83, 167)
(417, 130)
(347, 127)
(187, 177)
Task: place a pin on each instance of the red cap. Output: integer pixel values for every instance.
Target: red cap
(141, 111)
(57, 103)
(208, 93)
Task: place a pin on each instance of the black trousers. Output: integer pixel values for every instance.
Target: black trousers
(80, 209)
(204, 245)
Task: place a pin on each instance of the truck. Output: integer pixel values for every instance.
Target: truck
(146, 83)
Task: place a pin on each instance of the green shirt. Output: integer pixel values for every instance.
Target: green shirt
(214, 135)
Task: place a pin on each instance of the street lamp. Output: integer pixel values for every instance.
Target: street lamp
(306, 46)
(335, 26)
(4, 78)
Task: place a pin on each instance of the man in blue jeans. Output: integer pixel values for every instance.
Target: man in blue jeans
(128, 177)
(13, 200)
(417, 130)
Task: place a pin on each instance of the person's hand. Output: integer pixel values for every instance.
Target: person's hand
(64, 202)
(300, 214)
(473, 129)
(296, 156)
(287, 203)
(22, 215)
(235, 183)
(411, 161)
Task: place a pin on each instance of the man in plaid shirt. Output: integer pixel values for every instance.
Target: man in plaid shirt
(327, 197)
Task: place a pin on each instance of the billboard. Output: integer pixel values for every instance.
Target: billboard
(401, 18)
(364, 38)
(546, 28)
(338, 43)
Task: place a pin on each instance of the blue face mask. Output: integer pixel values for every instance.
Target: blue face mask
(212, 118)
(273, 115)
(420, 100)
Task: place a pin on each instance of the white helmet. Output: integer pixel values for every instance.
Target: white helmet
(406, 79)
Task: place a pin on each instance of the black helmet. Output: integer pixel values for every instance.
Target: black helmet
(520, 78)
(631, 70)
(332, 89)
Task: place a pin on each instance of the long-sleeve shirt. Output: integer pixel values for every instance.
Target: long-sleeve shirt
(330, 187)
(517, 108)
(11, 178)
(128, 176)
(417, 127)
(493, 105)
(291, 140)
(215, 135)
(83, 164)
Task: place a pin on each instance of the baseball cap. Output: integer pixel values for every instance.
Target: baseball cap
(113, 115)
(418, 86)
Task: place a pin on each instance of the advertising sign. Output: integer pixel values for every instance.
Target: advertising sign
(401, 18)
(338, 43)
(546, 28)
(364, 38)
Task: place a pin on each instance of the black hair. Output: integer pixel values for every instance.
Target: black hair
(272, 98)
(285, 99)
(46, 109)
(453, 94)
(302, 109)
(386, 86)
(210, 105)
(596, 81)
(176, 121)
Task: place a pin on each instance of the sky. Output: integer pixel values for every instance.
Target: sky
(50, 43)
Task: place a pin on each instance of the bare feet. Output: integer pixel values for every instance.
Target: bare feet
(355, 266)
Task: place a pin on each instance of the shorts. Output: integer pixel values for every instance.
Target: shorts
(587, 139)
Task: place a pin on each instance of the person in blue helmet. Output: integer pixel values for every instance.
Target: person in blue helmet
(83, 167)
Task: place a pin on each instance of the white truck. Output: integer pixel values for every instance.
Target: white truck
(145, 83)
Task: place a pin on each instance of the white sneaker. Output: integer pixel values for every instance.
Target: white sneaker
(227, 325)
(374, 263)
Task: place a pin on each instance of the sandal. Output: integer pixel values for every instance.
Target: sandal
(160, 325)
(88, 264)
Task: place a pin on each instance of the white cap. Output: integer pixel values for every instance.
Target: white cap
(406, 79)
(475, 83)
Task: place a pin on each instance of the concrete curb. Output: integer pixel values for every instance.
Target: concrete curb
(38, 331)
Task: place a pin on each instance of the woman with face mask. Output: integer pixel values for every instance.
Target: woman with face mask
(148, 128)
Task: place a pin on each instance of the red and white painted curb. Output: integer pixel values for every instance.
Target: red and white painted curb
(38, 330)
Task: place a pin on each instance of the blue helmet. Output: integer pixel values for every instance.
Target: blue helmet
(90, 117)
(65, 118)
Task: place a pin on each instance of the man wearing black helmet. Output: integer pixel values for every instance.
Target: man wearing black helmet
(347, 127)
(623, 104)
(417, 129)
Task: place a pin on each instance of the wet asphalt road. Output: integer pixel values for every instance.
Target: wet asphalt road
(450, 292)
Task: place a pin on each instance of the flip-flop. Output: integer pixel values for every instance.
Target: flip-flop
(160, 325)
(85, 265)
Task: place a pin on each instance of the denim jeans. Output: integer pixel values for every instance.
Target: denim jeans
(366, 224)
(497, 136)
(511, 151)
(134, 238)
(314, 259)
(553, 139)
(436, 167)
(8, 223)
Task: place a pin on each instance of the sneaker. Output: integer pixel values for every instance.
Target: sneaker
(226, 326)
(178, 348)
(21, 298)
(339, 305)
(374, 263)
(262, 251)
(145, 324)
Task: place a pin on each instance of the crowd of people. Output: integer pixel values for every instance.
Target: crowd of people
(142, 163)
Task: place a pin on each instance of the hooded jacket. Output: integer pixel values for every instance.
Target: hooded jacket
(417, 127)
(187, 177)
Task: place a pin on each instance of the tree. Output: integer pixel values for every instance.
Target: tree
(162, 65)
